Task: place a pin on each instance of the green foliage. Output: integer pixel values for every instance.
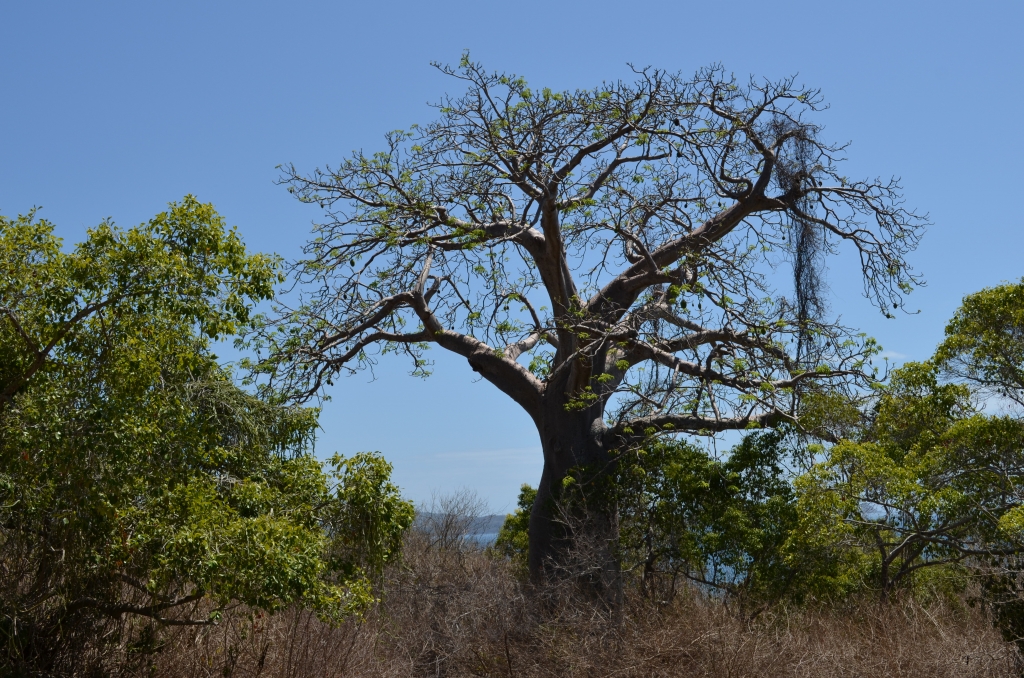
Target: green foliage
(722, 523)
(984, 343)
(513, 540)
(923, 488)
(135, 476)
(366, 517)
(930, 483)
(830, 414)
(920, 491)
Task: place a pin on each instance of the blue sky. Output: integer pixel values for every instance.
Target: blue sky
(115, 109)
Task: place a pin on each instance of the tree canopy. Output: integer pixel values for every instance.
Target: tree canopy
(984, 344)
(593, 232)
(934, 477)
(136, 477)
(931, 482)
(604, 257)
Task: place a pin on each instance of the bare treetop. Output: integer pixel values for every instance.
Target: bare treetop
(603, 253)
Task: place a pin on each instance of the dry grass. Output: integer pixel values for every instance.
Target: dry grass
(454, 611)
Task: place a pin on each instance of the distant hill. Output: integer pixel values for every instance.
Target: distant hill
(481, 529)
(489, 524)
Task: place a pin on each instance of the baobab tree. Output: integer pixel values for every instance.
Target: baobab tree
(604, 257)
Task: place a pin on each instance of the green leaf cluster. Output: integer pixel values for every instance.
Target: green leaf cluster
(930, 482)
(721, 523)
(136, 476)
(984, 344)
(513, 541)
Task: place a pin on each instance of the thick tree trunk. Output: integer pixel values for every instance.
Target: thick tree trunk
(574, 530)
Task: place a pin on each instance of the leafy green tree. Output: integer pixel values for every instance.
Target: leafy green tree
(931, 482)
(599, 256)
(721, 523)
(984, 344)
(512, 541)
(724, 524)
(365, 518)
(136, 478)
